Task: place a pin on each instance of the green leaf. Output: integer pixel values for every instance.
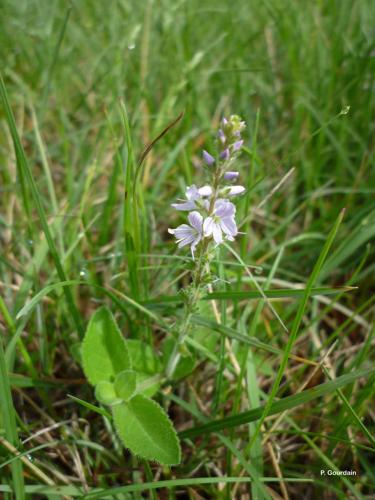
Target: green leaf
(125, 384)
(147, 431)
(148, 386)
(105, 393)
(104, 351)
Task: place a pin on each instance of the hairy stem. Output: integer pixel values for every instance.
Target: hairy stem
(190, 305)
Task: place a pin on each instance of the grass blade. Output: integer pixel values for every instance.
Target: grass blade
(245, 339)
(174, 483)
(24, 167)
(255, 294)
(279, 406)
(297, 322)
(9, 421)
(130, 208)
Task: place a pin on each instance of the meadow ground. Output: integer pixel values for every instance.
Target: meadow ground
(262, 411)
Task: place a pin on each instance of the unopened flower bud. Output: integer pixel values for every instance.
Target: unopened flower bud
(224, 155)
(237, 145)
(235, 190)
(231, 176)
(208, 159)
(221, 136)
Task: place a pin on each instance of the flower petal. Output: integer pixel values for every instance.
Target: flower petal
(217, 233)
(185, 241)
(196, 221)
(194, 245)
(228, 225)
(208, 226)
(236, 190)
(205, 191)
(192, 193)
(183, 231)
(224, 208)
(187, 205)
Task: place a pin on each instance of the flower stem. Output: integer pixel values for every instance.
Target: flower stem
(190, 305)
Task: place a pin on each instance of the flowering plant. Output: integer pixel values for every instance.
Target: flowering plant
(112, 364)
(211, 219)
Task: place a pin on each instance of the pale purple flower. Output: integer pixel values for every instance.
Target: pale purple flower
(189, 235)
(221, 136)
(205, 191)
(193, 195)
(235, 190)
(221, 221)
(208, 159)
(224, 155)
(237, 145)
(231, 176)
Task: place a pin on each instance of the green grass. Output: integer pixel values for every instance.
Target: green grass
(84, 213)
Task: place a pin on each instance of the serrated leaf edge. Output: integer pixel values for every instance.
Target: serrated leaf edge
(167, 419)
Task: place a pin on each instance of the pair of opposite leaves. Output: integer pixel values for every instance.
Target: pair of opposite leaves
(141, 423)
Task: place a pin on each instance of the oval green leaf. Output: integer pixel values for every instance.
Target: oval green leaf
(147, 431)
(125, 384)
(105, 393)
(104, 351)
(148, 386)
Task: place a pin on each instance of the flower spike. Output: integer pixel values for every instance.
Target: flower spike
(211, 218)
